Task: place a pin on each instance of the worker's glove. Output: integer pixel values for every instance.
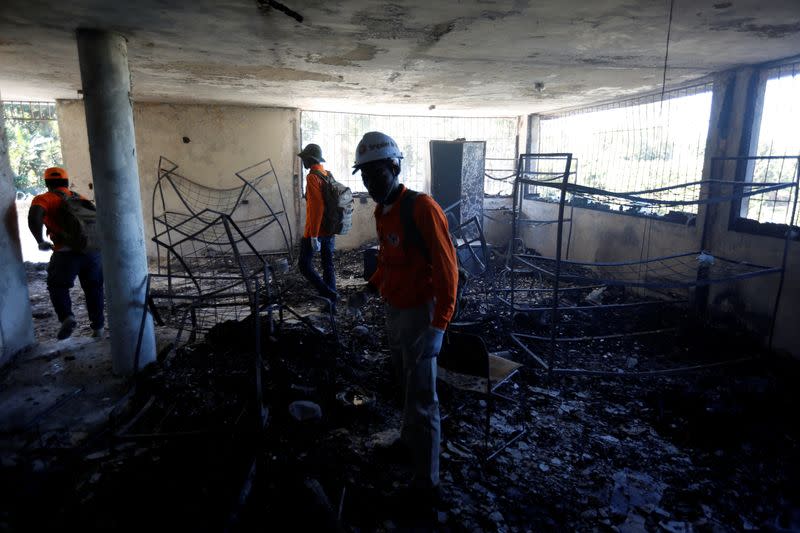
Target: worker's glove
(315, 245)
(432, 342)
(45, 246)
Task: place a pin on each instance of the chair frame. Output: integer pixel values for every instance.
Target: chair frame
(490, 395)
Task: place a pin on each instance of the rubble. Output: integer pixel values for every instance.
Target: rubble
(714, 450)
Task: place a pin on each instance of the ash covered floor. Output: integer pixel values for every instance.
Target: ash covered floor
(712, 450)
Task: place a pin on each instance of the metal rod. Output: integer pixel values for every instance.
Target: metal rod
(785, 256)
(665, 372)
(600, 337)
(244, 494)
(556, 282)
(535, 357)
(549, 289)
(508, 443)
(124, 429)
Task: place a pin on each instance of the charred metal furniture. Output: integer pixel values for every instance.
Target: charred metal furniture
(557, 294)
(457, 179)
(213, 245)
(465, 364)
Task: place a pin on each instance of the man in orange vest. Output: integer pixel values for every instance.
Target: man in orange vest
(417, 276)
(66, 264)
(315, 239)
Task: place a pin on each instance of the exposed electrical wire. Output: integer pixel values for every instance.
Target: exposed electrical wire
(666, 54)
(264, 4)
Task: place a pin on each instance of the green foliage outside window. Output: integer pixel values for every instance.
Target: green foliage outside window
(33, 145)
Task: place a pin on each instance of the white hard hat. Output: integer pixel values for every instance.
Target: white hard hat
(375, 146)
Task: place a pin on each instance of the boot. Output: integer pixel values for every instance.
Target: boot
(67, 327)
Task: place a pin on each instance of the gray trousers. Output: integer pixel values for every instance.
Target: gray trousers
(421, 430)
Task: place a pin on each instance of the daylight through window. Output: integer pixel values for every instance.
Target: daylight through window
(777, 136)
(637, 145)
(339, 133)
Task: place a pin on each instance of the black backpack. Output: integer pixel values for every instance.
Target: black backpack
(77, 218)
(337, 218)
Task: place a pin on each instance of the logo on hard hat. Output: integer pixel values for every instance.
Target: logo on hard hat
(378, 146)
(362, 149)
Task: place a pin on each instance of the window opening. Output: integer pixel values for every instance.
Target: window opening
(777, 136)
(637, 144)
(339, 133)
(33, 142)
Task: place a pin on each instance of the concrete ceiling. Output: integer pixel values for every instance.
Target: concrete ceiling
(479, 57)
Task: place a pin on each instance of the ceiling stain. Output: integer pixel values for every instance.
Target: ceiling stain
(440, 30)
(461, 55)
(386, 23)
(362, 52)
(228, 72)
(770, 31)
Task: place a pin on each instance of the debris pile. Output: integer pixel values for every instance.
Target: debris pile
(711, 450)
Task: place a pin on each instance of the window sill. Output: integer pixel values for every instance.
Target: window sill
(674, 217)
(764, 229)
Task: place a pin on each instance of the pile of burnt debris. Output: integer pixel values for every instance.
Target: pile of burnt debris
(197, 450)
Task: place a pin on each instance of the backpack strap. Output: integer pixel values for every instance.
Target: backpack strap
(65, 196)
(324, 176)
(410, 229)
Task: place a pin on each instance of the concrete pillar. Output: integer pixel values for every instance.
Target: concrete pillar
(16, 324)
(105, 78)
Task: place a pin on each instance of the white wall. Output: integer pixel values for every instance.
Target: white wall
(223, 139)
(604, 236)
(363, 231)
(497, 229)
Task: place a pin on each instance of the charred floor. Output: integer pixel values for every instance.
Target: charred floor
(712, 449)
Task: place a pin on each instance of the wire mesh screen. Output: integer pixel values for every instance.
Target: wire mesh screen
(550, 169)
(209, 259)
(17, 110)
(638, 144)
(338, 135)
(183, 208)
(777, 136)
(205, 287)
(209, 272)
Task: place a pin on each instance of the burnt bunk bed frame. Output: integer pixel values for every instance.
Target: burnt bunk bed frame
(661, 276)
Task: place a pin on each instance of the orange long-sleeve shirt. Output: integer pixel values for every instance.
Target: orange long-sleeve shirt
(404, 277)
(51, 203)
(315, 204)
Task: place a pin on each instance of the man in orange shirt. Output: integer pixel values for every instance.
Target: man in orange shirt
(66, 264)
(417, 276)
(315, 239)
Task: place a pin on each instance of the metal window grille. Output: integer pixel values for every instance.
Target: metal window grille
(17, 110)
(338, 135)
(777, 136)
(636, 144)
